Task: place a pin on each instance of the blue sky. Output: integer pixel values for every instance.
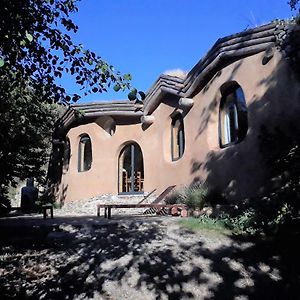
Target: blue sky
(148, 37)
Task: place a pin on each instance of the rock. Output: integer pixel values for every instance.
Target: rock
(207, 211)
(196, 213)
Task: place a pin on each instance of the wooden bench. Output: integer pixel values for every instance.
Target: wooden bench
(47, 207)
(108, 207)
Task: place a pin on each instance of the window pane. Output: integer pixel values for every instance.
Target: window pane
(177, 138)
(85, 154)
(67, 154)
(233, 124)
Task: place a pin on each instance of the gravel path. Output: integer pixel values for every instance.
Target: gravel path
(132, 258)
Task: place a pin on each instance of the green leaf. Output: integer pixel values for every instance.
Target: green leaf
(104, 68)
(117, 87)
(127, 77)
(2, 62)
(142, 94)
(29, 37)
(132, 95)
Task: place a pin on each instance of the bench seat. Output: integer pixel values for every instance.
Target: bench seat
(108, 207)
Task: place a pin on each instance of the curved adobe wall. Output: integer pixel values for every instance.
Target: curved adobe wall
(270, 91)
(272, 97)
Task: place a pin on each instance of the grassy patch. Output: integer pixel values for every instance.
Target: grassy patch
(206, 224)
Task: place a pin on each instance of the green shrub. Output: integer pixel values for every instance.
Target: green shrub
(244, 223)
(216, 196)
(46, 198)
(195, 196)
(239, 225)
(205, 223)
(173, 198)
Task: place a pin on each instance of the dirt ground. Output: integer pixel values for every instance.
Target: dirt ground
(135, 257)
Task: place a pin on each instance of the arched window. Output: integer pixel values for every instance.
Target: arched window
(67, 154)
(177, 137)
(84, 153)
(233, 120)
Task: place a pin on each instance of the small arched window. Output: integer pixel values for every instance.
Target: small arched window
(84, 153)
(67, 154)
(233, 120)
(177, 137)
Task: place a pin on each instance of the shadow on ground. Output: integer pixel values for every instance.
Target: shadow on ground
(147, 258)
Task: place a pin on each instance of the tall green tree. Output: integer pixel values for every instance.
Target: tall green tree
(26, 125)
(36, 47)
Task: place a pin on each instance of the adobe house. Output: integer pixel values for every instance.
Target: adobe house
(208, 125)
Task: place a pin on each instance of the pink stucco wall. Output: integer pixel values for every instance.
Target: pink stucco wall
(270, 91)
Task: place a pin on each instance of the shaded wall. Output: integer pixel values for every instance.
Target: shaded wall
(272, 97)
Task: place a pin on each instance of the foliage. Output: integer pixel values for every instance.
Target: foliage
(36, 47)
(173, 198)
(215, 197)
(45, 198)
(244, 223)
(281, 202)
(293, 4)
(277, 210)
(205, 223)
(4, 205)
(252, 221)
(25, 131)
(195, 196)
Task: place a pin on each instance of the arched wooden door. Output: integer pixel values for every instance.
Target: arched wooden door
(131, 169)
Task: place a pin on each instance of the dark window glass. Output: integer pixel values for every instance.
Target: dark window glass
(233, 121)
(67, 154)
(85, 154)
(177, 137)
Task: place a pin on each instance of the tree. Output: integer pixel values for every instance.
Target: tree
(36, 47)
(293, 3)
(25, 133)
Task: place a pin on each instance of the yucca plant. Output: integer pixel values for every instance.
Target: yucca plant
(173, 198)
(195, 196)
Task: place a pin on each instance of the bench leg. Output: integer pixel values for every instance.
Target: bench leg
(109, 213)
(51, 212)
(105, 212)
(98, 211)
(44, 213)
